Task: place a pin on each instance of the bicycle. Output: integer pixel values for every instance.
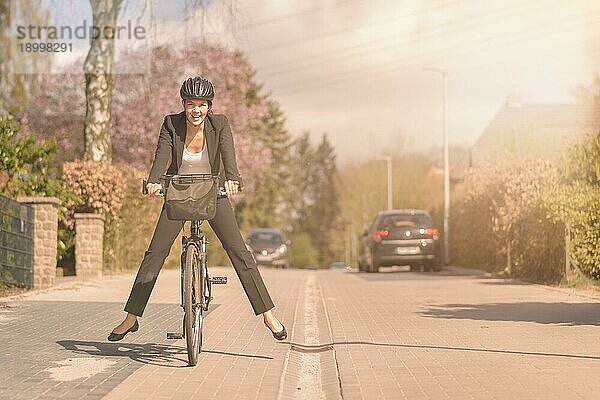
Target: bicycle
(196, 283)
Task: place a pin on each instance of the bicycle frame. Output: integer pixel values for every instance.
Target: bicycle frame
(199, 240)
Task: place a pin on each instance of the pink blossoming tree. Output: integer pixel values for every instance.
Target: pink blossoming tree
(140, 101)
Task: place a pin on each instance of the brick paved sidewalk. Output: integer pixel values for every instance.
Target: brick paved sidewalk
(57, 342)
(352, 335)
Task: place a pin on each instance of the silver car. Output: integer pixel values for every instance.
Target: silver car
(269, 247)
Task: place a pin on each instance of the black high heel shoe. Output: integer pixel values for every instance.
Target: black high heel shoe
(281, 335)
(115, 337)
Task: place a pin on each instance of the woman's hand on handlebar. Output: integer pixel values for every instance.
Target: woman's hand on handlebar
(231, 187)
(154, 189)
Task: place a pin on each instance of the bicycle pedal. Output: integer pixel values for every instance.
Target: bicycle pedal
(218, 280)
(174, 335)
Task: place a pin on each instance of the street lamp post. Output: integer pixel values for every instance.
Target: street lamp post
(444, 73)
(388, 160)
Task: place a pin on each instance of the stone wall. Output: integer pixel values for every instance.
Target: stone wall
(45, 235)
(89, 234)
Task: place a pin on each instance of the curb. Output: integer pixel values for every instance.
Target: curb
(467, 271)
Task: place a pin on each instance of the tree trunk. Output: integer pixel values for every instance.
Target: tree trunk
(19, 72)
(568, 270)
(6, 56)
(508, 259)
(98, 81)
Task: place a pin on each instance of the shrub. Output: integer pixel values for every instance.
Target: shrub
(578, 205)
(127, 236)
(525, 208)
(582, 163)
(26, 170)
(575, 201)
(540, 250)
(99, 187)
(302, 253)
(25, 164)
(488, 214)
(469, 241)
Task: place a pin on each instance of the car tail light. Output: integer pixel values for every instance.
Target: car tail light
(380, 234)
(433, 233)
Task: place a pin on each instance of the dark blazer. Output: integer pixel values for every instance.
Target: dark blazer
(219, 144)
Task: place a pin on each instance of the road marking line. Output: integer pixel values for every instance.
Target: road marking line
(310, 384)
(291, 337)
(335, 361)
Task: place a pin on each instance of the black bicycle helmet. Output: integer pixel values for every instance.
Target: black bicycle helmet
(197, 88)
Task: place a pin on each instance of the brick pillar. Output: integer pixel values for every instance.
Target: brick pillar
(89, 234)
(45, 234)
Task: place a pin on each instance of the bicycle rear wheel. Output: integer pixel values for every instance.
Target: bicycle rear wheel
(191, 303)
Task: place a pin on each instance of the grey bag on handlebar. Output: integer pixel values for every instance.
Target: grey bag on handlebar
(192, 200)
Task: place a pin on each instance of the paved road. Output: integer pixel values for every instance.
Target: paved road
(395, 335)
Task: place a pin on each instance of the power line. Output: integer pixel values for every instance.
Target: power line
(303, 12)
(304, 84)
(447, 30)
(341, 31)
(358, 47)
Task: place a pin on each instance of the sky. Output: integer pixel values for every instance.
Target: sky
(355, 69)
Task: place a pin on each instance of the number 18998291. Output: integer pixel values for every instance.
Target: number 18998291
(35, 47)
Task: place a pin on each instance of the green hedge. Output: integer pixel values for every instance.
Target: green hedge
(26, 169)
(540, 252)
(578, 205)
(514, 214)
(302, 253)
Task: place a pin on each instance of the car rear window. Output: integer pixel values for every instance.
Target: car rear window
(265, 237)
(404, 220)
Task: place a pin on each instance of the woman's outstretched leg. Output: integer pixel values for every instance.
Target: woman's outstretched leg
(226, 228)
(165, 233)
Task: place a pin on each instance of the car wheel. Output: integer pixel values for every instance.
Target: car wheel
(374, 266)
(427, 267)
(368, 261)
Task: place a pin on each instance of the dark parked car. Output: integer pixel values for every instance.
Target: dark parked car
(268, 246)
(400, 237)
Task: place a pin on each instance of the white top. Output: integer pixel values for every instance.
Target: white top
(194, 163)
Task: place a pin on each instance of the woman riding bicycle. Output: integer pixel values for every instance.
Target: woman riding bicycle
(194, 141)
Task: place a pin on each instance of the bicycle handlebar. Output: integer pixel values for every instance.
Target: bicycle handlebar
(161, 191)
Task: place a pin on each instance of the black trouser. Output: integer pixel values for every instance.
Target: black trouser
(226, 228)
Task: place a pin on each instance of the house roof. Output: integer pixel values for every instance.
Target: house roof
(529, 130)
(538, 130)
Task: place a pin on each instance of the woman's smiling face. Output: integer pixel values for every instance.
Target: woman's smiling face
(196, 110)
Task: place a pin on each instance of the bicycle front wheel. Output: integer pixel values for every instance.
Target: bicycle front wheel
(192, 305)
